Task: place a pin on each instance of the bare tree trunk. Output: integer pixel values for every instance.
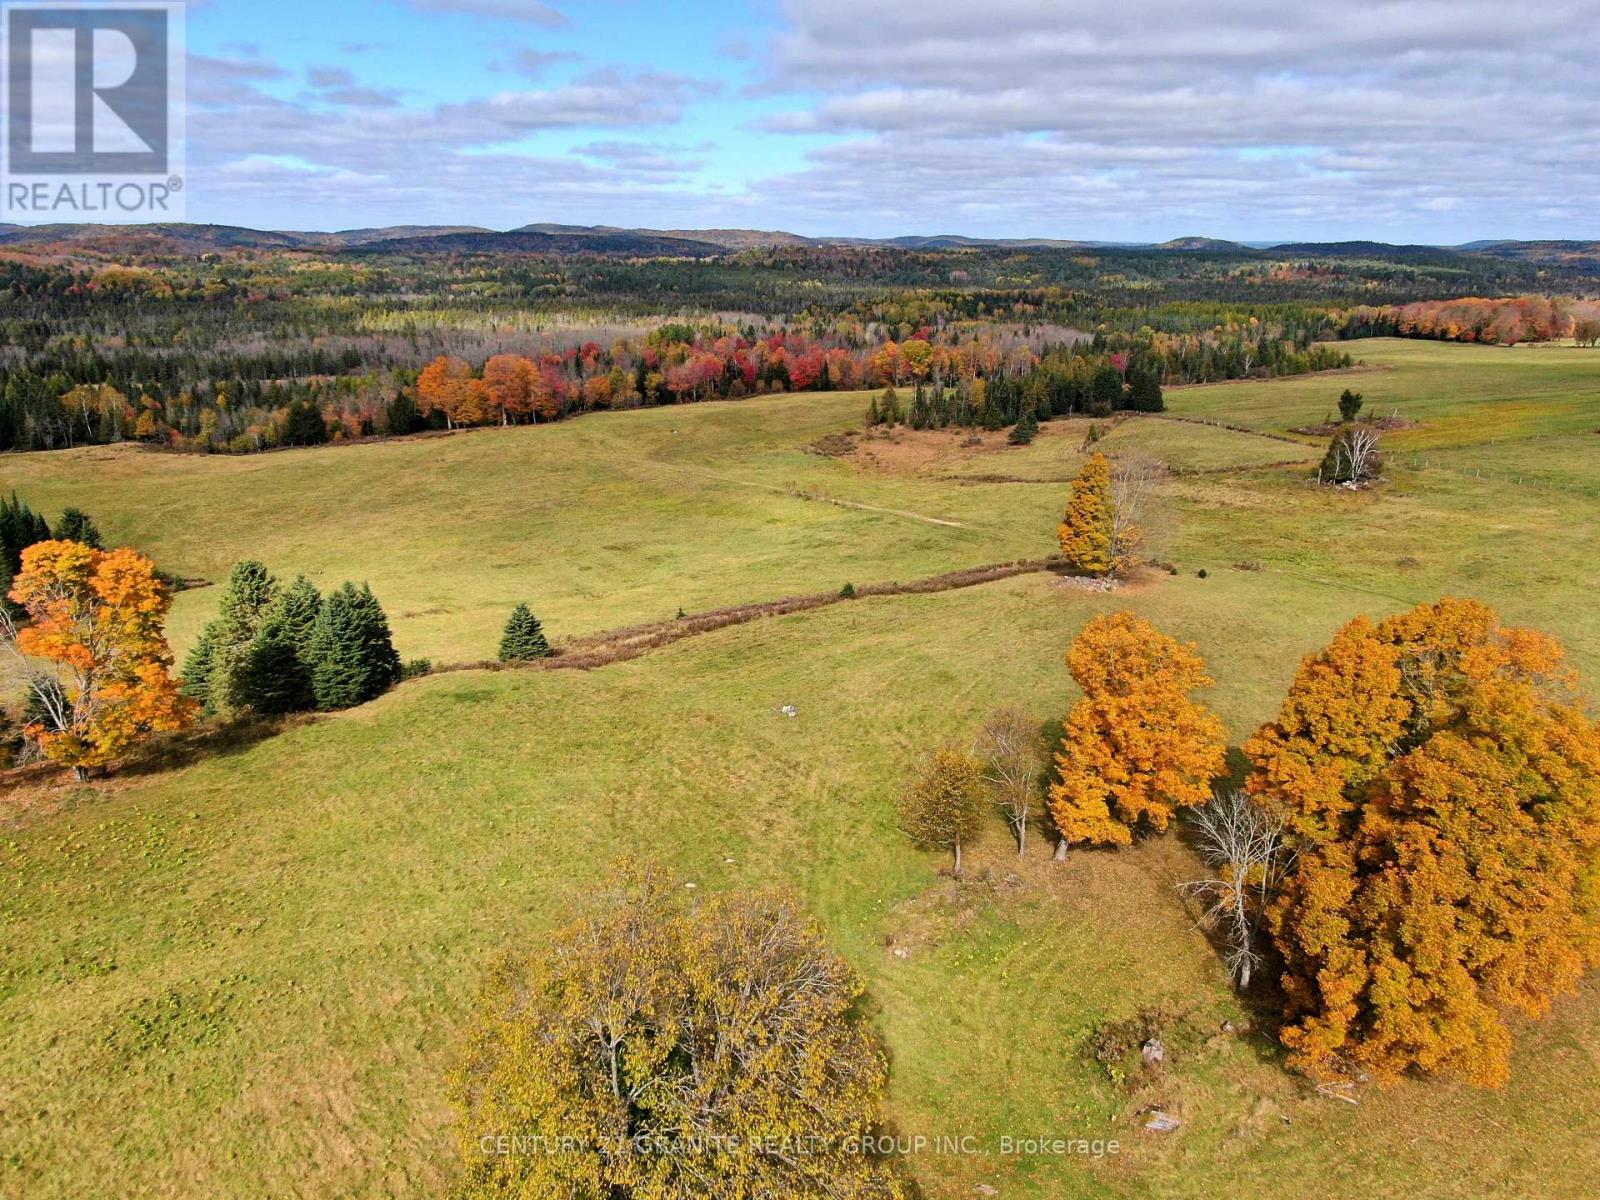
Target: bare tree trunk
(1061, 850)
(1022, 838)
(958, 859)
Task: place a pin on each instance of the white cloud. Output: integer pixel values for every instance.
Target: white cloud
(1395, 119)
(1345, 116)
(513, 10)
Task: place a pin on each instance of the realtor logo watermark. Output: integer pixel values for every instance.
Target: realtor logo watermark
(94, 108)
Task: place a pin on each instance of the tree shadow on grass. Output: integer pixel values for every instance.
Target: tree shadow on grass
(211, 739)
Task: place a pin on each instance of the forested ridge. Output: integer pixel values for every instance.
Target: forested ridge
(250, 345)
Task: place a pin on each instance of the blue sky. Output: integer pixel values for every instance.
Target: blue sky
(1405, 120)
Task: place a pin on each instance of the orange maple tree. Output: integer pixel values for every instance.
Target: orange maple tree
(1136, 746)
(446, 386)
(95, 617)
(508, 385)
(1443, 786)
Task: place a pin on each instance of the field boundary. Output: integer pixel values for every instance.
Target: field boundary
(631, 641)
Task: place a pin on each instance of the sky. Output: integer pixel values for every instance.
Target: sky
(1437, 121)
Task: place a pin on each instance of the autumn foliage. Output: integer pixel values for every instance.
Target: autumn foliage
(96, 618)
(943, 807)
(1136, 747)
(657, 1048)
(1086, 530)
(1443, 786)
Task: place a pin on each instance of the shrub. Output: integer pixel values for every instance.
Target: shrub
(1115, 1045)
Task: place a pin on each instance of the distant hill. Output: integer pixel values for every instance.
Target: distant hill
(365, 237)
(624, 242)
(1214, 245)
(1360, 249)
(550, 238)
(1565, 253)
(169, 237)
(956, 241)
(730, 239)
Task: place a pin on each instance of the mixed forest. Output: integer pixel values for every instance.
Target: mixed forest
(245, 347)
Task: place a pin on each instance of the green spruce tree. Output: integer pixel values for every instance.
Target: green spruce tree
(214, 671)
(276, 673)
(75, 526)
(1105, 390)
(1349, 405)
(350, 653)
(1144, 390)
(1025, 430)
(20, 527)
(523, 638)
(303, 425)
(195, 679)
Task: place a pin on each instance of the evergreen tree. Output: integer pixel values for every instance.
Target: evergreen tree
(195, 681)
(523, 638)
(403, 415)
(350, 653)
(214, 672)
(889, 407)
(20, 527)
(276, 677)
(303, 425)
(75, 526)
(1025, 430)
(1105, 390)
(1144, 390)
(1349, 405)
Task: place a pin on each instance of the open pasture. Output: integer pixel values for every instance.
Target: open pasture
(247, 974)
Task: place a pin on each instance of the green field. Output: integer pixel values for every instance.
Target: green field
(246, 975)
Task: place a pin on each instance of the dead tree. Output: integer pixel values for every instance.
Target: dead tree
(1007, 745)
(1353, 456)
(1244, 845)
(1133, 482)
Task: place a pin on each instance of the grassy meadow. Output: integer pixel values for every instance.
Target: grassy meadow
(246, 974)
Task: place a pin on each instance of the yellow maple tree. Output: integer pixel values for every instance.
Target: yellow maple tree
(95, 618)
(1136, 746)
(1443, 786)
